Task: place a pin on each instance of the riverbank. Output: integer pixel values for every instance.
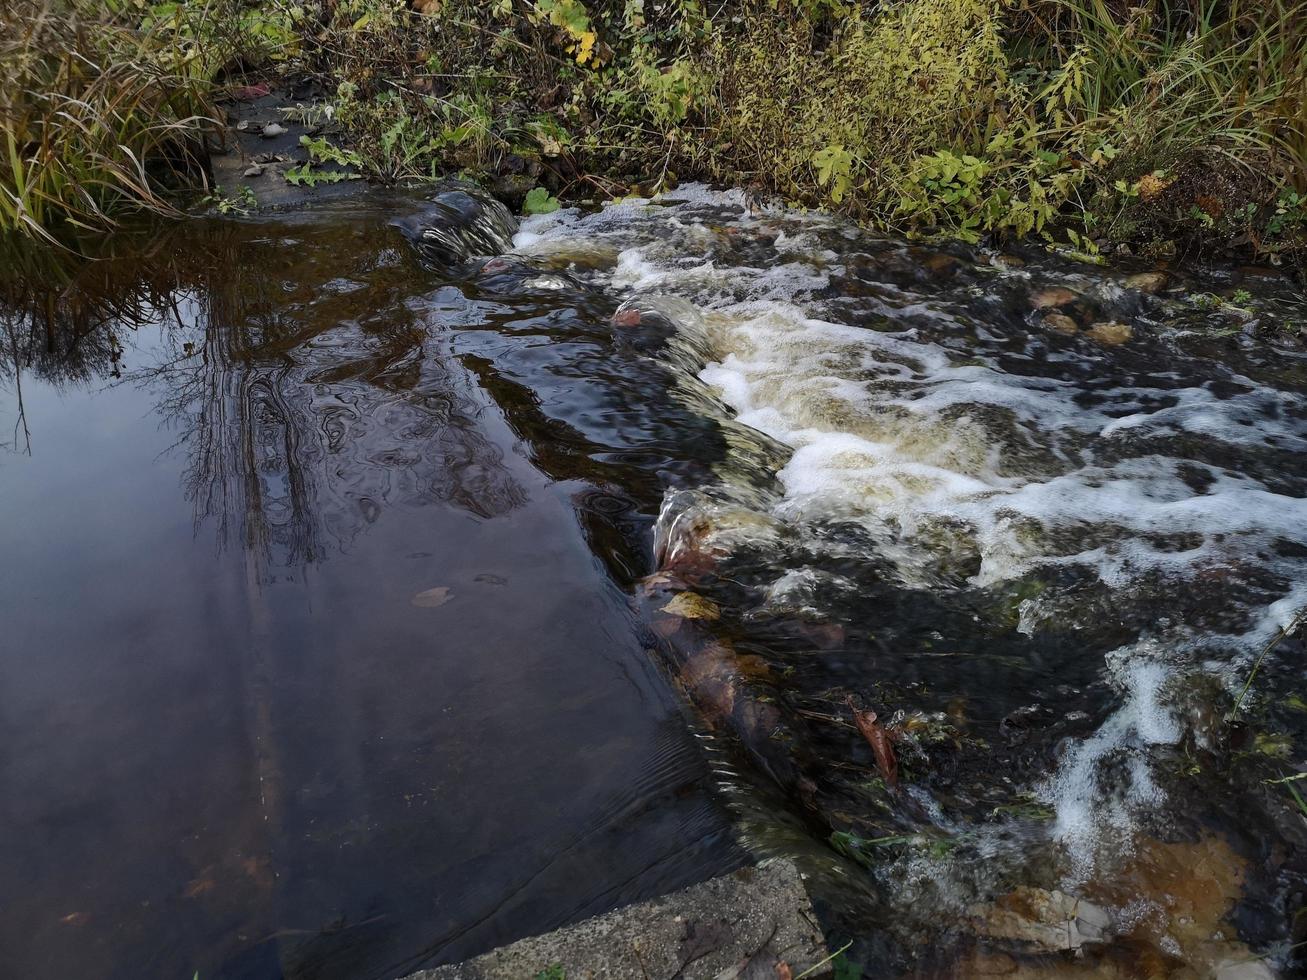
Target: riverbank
(1160, 130)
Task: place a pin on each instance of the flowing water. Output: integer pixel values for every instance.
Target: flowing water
(370, 602)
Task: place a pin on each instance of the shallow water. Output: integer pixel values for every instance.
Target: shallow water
(346, 626)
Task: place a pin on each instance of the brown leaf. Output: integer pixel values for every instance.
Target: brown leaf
(432, 598)
(874, 732)
(667, 626)
(199, 886)
(248, 93)
(691, 605)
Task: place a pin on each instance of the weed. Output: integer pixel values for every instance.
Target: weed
(539, 201)
(97, 115)
(1076, 120)
(1288, 783)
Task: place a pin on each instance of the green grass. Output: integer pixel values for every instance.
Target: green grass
(105, 105)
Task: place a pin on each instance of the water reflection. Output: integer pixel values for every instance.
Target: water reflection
(304, 404)
(234, 743)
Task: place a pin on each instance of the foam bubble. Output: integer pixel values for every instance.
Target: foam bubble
(1091, 809)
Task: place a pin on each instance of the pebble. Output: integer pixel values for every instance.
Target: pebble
(1147, 282)
(1005, 261)
(1061, 323)
(1052, 297)
(273, 130)
(1110, 332)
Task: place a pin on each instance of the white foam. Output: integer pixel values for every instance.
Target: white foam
(1091, 810)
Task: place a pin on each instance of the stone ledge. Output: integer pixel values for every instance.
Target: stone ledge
(754, 923)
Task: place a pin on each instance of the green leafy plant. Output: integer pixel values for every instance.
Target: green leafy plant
(834, 170)
(539, 201)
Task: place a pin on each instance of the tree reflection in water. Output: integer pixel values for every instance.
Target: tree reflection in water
(304, 410)
(309, 387)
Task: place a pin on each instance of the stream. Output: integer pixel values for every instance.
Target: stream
(387, 581)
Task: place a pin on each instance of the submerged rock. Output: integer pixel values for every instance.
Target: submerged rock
(1052, 921)
(1110, 332)
(1061, 323)
(511, 275)
(1053, 297)
(1147, 282)
(459, 224)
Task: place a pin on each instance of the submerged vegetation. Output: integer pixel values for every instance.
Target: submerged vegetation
(1157, 125)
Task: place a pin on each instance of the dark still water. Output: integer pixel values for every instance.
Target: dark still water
(373, 594)
(306, 670)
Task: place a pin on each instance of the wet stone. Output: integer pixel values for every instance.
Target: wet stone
(1061, 323)
(1147, 282)
(1110, 332)
(1043, 920)
(1244, 969)
(457, 224)
(1053, 297)
(754, 922)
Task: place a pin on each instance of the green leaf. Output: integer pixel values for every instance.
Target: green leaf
(539, 201)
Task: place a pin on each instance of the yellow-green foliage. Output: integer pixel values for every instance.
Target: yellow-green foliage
(104, 104)
(893, 98)
(1097, 118)
(90, 110)
(992, 115)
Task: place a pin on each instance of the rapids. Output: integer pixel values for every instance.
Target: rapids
(1020, 500)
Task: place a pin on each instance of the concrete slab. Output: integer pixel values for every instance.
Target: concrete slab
(755, 923)
(262, 141)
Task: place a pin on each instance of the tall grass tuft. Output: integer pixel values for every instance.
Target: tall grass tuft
(1177, 76)
(98, 115)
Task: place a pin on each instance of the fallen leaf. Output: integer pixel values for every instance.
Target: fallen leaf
(1151, 186)
(1061, 323)
(432, 598)
(248, 93)
(691, 605)
(199, 886)
(874, 732)
(667, 626)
